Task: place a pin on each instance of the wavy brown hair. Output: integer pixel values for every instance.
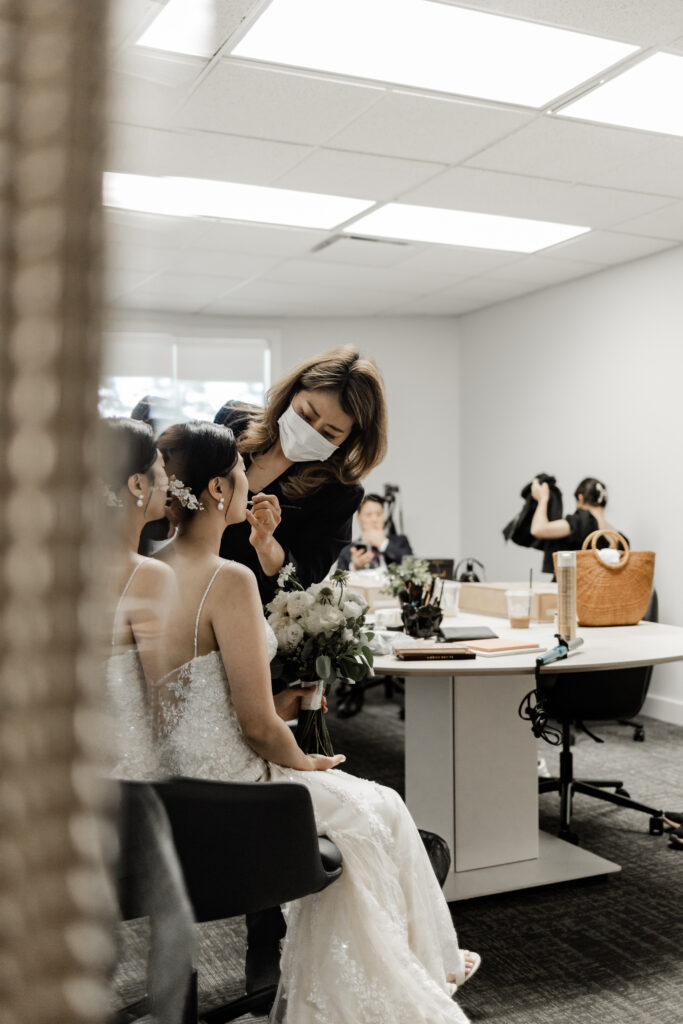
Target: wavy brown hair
(359, 388)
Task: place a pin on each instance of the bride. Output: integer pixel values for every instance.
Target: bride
(379, 945)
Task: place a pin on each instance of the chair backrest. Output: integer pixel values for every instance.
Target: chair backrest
(243, 846)
(599, 696)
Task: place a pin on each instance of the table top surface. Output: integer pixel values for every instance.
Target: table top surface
(604, 647)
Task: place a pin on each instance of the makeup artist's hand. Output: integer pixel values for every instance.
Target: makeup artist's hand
(264, 517)
(539, 491)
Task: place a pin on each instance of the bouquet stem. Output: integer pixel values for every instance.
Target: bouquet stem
(311, 731)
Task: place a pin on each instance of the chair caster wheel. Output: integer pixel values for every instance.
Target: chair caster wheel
(639, 736)
(656, 826)
(622, 792)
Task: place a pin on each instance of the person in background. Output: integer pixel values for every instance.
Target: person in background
(375, 548)
(322, 430)
(591, 499)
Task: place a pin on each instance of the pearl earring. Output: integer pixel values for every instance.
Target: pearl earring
(221, 506)
(139, 502)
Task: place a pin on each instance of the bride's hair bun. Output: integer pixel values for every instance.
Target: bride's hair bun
(195, 453)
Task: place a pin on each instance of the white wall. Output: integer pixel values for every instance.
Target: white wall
(584, 379)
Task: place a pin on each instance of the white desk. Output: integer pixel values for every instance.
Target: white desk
(470, 761)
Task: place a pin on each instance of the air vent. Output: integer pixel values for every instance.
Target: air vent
(357, 238)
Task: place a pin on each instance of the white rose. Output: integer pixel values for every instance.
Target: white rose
(323, 618)
(290, 637)
(298, 603)
(353, 595)
(352, 610)
(279, 602)
(278, 623)
(348, 636)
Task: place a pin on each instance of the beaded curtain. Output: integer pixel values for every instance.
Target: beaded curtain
(55, 935)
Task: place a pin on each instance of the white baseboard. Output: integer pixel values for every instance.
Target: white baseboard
(664, 708)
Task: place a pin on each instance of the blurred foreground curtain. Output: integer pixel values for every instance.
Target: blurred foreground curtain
(55, 940)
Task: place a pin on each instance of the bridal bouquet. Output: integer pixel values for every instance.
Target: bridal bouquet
(321, 638)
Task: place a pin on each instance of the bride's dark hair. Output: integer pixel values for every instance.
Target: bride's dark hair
(195, 453)
(128, 449)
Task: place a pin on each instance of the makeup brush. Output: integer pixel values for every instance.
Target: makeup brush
(250, 501)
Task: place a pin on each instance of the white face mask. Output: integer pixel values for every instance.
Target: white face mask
(300, 441)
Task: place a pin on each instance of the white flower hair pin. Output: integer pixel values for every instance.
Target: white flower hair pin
(177, 489)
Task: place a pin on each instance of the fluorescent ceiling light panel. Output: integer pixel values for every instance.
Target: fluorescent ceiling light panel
(198, 197)
(430, 45)
(460, 227)
(646, 96)
(183, 26)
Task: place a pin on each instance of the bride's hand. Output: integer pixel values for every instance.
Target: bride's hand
(320, 763)
(287, 702)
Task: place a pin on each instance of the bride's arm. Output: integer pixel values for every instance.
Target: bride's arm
(237, 620)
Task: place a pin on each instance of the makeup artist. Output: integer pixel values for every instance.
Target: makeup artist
(322, 430)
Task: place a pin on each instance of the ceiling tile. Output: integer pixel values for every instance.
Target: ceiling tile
(428, 128)
(138, 150)
(660, 172)
(173, 70)
(608, 247)
(309, 297)
(543, 271)
(569, 151)
(119, 282)
(135, 100)
(472, 294)
(127, 227)
(124, 256)
(358, 277)
(366, 251)
(219, 263)
(629, 21)
(666, 223)
(241, 99)
(458, 263)
(341, 173)
(257, 239)
(182, 291)
(515, 195)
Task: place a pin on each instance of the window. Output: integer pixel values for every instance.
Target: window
(194, 375)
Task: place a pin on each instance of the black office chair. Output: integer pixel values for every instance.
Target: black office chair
(574, 698)
(244, 847)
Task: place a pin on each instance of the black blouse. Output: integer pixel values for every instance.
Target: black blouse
(582, 524)
(311, 534)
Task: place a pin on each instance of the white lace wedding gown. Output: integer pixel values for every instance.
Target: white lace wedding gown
(375, 946)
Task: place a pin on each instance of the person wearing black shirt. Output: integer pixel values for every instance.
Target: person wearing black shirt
(375, 547)
(591, 499)
(322, 430)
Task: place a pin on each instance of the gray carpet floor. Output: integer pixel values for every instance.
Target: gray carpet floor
(607, 951)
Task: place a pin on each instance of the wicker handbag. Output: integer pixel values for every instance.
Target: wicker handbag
(612, 595)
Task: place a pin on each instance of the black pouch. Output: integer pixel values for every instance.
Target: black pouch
(438, 853)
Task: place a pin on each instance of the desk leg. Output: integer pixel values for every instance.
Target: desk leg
(471, 777)
(496, 778)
